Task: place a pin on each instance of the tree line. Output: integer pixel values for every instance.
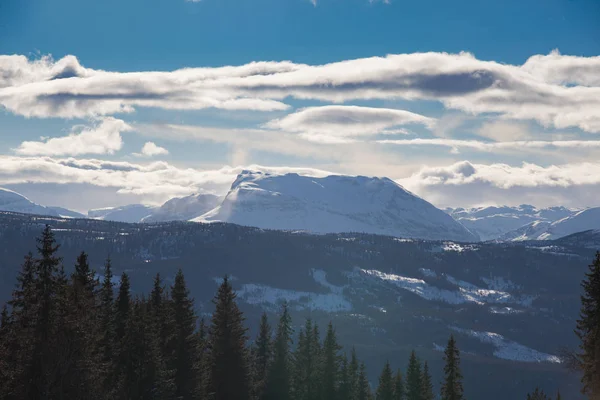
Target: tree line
(79, 337)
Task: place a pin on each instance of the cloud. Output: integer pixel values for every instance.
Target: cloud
(504, 130)
(339, 123)
(150, 149)
(520, 145)
(468, 184)
(554, 90)
(157, 181)
(102, 138)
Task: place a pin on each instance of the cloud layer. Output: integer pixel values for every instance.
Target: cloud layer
(555, 90)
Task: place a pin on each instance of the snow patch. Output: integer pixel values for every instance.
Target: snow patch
(507, 349)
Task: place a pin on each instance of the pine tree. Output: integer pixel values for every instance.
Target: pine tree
(353, 371)
(39, 373)
(306, 364)
(279, 376)
(426, 381)
(106, 336)
(262, 357)
(537, 395)
(122, 362)
(399, 391)
(330, 364)
(452, 388)
(227, 364)
(345, 387)
(385, 390)
(363, 389)
(588, 331)
(185, 356)
(414, 384)
(558, 397)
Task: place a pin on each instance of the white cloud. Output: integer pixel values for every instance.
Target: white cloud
(555, 90)
(467, 184)
(515, 146)
(504, 130)
(150, 149)
(158, 180)
(102, 138)
(338, 123)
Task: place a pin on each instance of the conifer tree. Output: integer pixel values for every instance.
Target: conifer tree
(185, 356)
(40, 368)
(558, 397)
(262, 357)
(353, 372)
(363, 389)
(344, 388)
(414, 384)
(452, 388)
(106, 337)
(537, 394)
(330, 364)
(279, 376)
(399, 390)
(121, 368)
(427, 383)
(227, 364)
(385, 390)
(306, 364)
(588, 331)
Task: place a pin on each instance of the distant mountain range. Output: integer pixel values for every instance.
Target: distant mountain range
(500, 222)
(338, 203)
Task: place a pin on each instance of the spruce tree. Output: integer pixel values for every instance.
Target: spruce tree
(106, 337)
(588, 331)
(185, 356)
(537, 394)
(452, 388)
(262, 357)
(344, 388)
(227, 364)
(330, 364)
(43, 360)
(414, 384)
(363, 389)
(306, 364)
(353, 371)
(120, 370)
(385, 389)
(279, 376)
(427, 383)
(399, 390)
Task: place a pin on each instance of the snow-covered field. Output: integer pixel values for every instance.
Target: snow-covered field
(466, 292)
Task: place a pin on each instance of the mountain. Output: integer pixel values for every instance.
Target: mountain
(495, 222)
(129, 213)
(332, 204)
(511, 306)
(585, 220)
(66, 213)
(184, 208)
(15, 202)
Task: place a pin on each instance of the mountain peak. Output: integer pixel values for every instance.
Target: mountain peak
(333, 203)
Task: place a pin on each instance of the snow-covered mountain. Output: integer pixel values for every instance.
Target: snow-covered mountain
(334, 203)
(184, 208)
(584, 220)
(66, 213)
(128, 213)
(496, 222)
(15, 202)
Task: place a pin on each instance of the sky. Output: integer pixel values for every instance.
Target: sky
(465, 103)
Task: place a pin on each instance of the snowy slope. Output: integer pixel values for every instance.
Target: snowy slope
(585, 220)
(495, 222)
(333, 204)
(129, 213)
(15, 202)
(66, 213)
(184, 208)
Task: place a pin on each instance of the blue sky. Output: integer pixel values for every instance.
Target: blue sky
(524, 131)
